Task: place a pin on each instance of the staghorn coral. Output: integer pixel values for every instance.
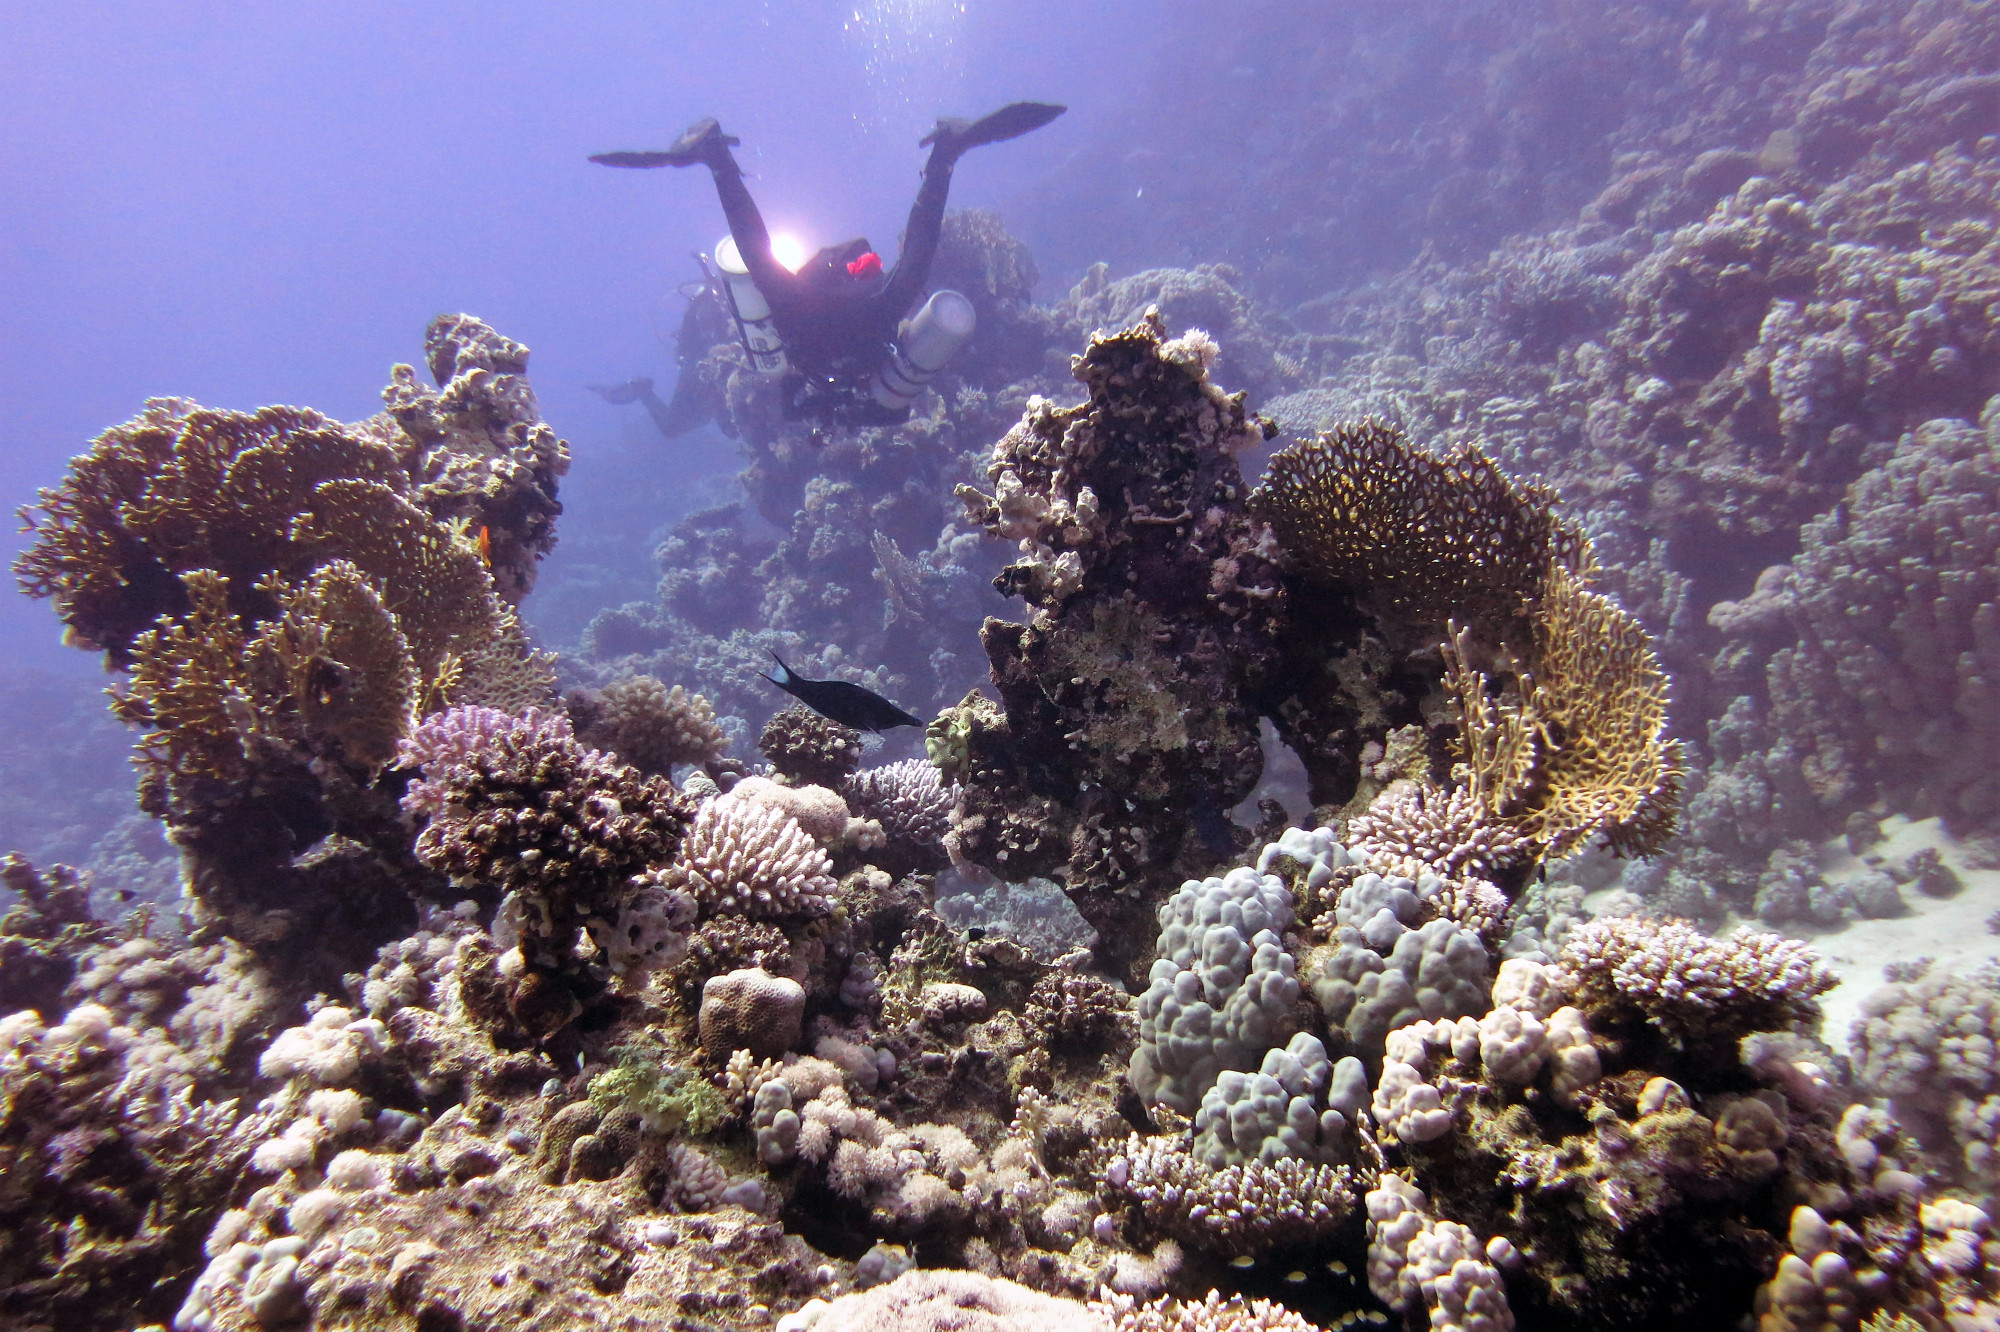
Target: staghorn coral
(648, 725)
(809, 748)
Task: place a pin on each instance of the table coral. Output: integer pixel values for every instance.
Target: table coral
(1690, 986)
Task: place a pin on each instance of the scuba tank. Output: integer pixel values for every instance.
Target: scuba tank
(751, 311)
(927, 340)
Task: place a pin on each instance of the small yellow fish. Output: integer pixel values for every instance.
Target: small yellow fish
(1296, 1278)
(486, 545)
(1242, 1260)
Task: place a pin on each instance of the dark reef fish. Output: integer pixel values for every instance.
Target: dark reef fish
(837, 700)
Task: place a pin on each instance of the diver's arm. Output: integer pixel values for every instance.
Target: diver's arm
(746, 225)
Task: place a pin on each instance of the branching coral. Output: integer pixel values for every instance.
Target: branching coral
(649, 725)
(909, 799)
(1583, 751)
(1446, 831)
(1248, 1208)
(517, 805)
(747, 858)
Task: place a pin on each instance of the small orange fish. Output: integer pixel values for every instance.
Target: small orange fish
(486, 546)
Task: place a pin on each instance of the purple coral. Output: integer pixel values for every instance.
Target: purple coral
(910, 799)
(449, 740)
(517, 803)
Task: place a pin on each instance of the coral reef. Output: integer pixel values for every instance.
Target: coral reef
(288, 596)
(832, 1046)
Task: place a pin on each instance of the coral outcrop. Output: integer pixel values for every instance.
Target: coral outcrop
(288, 595)
(1154, 601)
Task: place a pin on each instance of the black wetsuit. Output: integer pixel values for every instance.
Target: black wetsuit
(836, 325)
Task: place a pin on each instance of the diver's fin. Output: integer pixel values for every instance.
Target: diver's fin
(637, 160)
(619, 394)
(700, 143)
(1009, 122)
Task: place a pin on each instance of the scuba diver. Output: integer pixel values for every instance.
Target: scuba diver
(835, 329)
(705, 322)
